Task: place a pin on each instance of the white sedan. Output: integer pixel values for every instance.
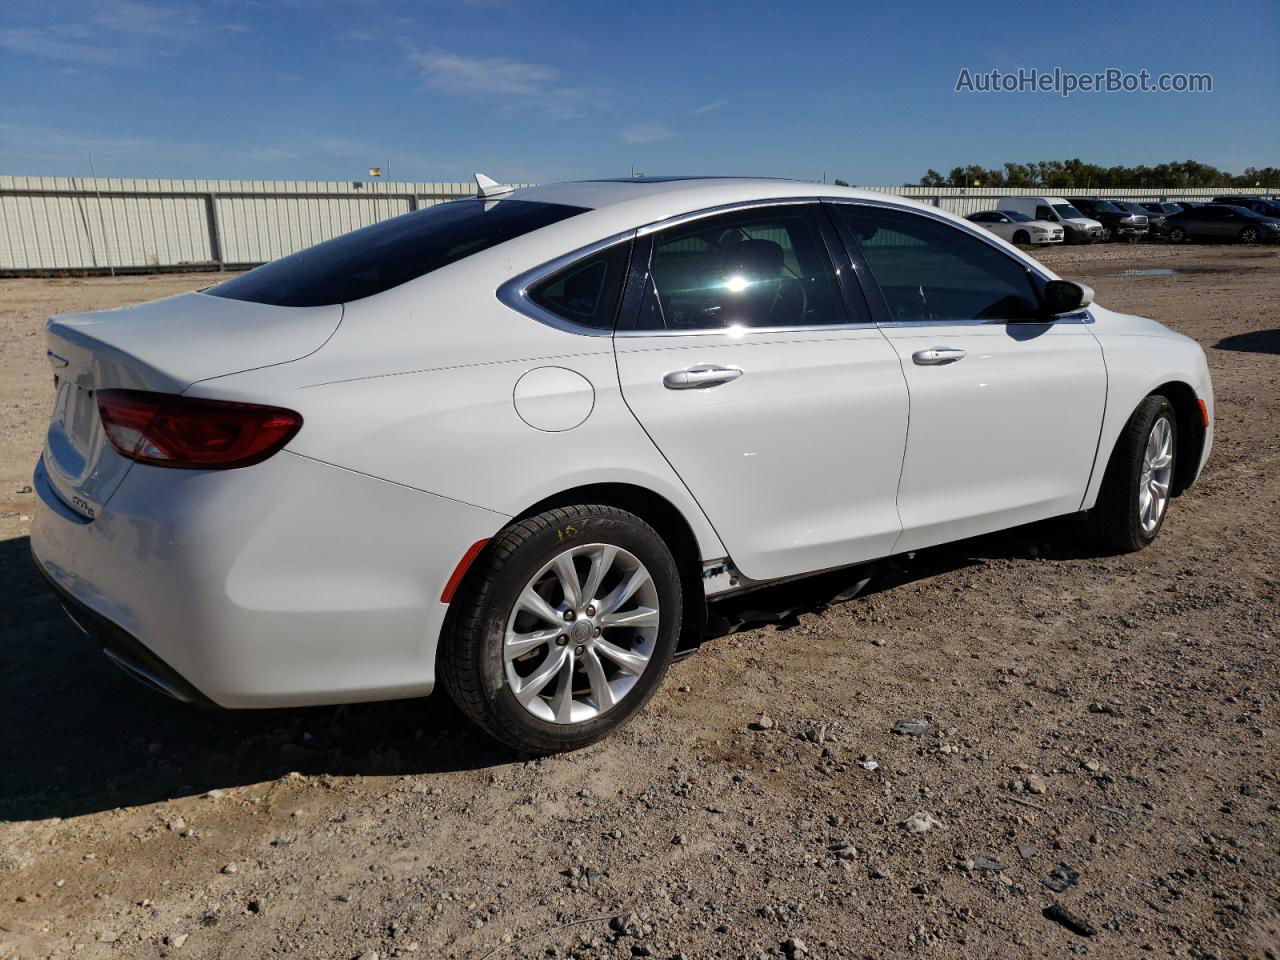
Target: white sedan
(1017, 227)
(516, 443)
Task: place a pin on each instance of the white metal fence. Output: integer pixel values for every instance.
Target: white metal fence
(81, 224)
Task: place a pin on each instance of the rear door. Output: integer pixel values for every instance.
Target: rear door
(783, 412)
(1005, 413)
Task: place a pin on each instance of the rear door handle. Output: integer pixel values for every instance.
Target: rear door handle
(700, 375)
(936, 356)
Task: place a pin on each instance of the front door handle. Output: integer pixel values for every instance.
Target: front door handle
(700, 375)
(936, 356)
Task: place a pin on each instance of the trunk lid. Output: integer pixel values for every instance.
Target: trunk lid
(164, 346)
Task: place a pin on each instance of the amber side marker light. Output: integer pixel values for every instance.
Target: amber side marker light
(461, 569)
(165, 430)
(1204, 412)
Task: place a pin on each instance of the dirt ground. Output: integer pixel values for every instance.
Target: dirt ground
(1104, 725)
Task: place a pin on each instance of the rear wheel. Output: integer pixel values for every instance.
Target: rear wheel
(1135, 491)
(564, 629)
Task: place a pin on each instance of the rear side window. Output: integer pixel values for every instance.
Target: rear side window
(586, 293)
(764, 267)
(387, 254)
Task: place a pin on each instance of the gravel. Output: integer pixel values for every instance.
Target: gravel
(1156, 828)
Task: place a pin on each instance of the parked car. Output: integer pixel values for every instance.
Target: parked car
(1117, 223)
(1155, 221)
(1259, 205)
(516, 444)
(1017, 227)
(1217, 221)
(1161, 209)
(1077, 228)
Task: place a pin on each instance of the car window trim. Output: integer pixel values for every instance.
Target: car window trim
(514, 293)
(879, 305)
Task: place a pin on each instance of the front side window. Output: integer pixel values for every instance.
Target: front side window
(931, 272)
(387, 254)
(763, 267)
(586, 293)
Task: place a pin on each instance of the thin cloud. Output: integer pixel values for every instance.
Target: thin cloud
(708, 107)
(356, 36)
(646, 133)
(500, 80)
(37, 43)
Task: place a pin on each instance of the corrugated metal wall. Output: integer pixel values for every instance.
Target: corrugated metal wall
(73, 223)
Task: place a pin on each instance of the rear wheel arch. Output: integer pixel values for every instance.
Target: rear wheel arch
(661, 514)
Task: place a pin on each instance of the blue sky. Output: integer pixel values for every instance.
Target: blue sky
(540, 90)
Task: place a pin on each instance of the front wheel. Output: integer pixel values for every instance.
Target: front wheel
(1250, 235)
(1022, 238)
(1135, 490)
(1177, 235)
(564, 629)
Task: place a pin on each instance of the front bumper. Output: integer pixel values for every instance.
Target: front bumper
(288, 583)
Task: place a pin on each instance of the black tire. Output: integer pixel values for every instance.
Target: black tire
(1114, 520)
(1250, 235)
(1177, 235)
(1108, 234)
(1021, 237)
(471, 663)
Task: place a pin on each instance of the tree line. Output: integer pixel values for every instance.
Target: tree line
(1076, 173)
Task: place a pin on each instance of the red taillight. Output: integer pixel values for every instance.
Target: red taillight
(171, 431)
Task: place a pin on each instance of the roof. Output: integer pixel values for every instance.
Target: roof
(633, 201)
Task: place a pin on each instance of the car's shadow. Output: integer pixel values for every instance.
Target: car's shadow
(79, 736)
(1257, 341)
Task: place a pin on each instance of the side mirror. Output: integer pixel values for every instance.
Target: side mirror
(1063, 296)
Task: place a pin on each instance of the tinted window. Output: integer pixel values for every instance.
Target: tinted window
(1067, 211)
(387, 254)
(587, 292)
(1017, 217)
(766, 267)
(1043, 212)
(930, 271)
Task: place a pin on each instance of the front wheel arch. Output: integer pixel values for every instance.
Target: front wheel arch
(1191, 431)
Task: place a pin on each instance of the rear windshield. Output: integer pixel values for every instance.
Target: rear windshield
(387, 254)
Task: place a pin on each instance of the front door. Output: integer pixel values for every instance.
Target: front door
(1005, 413)
(783, 414)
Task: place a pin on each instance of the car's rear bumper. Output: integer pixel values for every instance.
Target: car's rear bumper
(288, 583)
(124, 649)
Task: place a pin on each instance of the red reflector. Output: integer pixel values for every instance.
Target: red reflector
(1204, 412)
(461, 569)
(172, 431)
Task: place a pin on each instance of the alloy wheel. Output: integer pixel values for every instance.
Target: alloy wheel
(1157, 472)
(1249, 235)
(581, 634)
